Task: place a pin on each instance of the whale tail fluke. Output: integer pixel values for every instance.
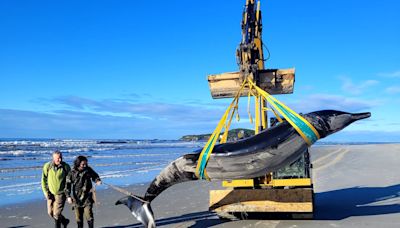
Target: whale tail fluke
(140, 210)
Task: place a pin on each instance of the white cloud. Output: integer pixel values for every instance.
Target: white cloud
(395, 74)
(112, 118)
(316, 102)
(177, 112)
(356, 88)
(75, 124)
(393, 90)
(306, 88)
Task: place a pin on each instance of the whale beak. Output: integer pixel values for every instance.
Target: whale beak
(360, 116)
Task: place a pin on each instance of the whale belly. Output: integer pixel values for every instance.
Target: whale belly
(251, 164)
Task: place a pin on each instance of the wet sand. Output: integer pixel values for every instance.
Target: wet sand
(355, 186)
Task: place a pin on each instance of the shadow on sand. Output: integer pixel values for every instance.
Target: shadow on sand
(200, 219)
(357, 201)
(331, 205)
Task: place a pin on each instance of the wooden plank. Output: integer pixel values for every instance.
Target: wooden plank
(274, 81)
(262, 200)
(266, 206)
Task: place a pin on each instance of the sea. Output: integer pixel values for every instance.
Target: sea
(118, 162)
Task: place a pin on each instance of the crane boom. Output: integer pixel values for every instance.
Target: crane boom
(250, 53)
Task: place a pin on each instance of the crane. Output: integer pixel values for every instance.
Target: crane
(289, 189)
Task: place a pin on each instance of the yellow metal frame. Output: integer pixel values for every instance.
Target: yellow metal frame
(238, 183)
(249, 183)
(290, 182)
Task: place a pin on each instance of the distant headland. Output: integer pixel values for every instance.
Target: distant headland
(233, 135)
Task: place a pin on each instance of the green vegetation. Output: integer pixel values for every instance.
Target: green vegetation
(233, 135)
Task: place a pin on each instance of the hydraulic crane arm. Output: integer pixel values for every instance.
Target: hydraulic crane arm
(250, 58)
(250, 53)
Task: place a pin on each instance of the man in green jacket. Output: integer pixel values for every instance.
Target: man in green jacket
(53, 185)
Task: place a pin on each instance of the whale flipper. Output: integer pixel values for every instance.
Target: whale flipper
(141, 211)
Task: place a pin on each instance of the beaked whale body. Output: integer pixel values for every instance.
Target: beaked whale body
(252, 157)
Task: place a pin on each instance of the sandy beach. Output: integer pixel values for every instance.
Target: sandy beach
(355, 186)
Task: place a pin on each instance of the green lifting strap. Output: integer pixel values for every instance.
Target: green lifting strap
(201, 172)
(301, 125)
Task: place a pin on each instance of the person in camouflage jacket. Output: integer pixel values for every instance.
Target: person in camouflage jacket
(79, 190)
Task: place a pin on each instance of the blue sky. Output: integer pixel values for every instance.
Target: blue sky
(137, 69)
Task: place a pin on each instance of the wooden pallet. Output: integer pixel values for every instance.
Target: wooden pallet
(298, 201)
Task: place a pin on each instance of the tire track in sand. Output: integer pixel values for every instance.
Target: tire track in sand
(328, 155)
(334, 157)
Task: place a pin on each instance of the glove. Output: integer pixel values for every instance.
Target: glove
(69, 200)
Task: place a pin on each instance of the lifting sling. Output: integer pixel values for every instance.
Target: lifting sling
(301, 125)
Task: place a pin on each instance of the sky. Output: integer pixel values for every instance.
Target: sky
(137, 69)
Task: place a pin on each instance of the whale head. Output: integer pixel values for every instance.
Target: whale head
(141, 211)
(327, 122)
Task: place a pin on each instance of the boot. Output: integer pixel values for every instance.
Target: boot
(64, 221)
(57, 223)
(80, 224)
(90, 223)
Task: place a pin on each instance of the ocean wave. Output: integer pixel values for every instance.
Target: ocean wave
(18, 169)
(115, 175)
(22, 191)
(128, 163)
(148, 170)
(97, 143)
(109, 174)
(34, 148)
(133, 155)
(20, 186)
(14, 152)
(21, 161)
(20, 177)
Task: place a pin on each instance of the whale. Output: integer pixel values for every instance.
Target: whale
(252, 157)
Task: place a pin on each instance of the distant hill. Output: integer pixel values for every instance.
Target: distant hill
(232, 135)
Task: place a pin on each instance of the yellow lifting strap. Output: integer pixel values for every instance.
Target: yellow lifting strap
(227, 126)
(301, 125)
(207, 149)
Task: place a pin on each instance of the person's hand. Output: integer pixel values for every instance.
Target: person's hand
(98, 182)
(69, 200)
